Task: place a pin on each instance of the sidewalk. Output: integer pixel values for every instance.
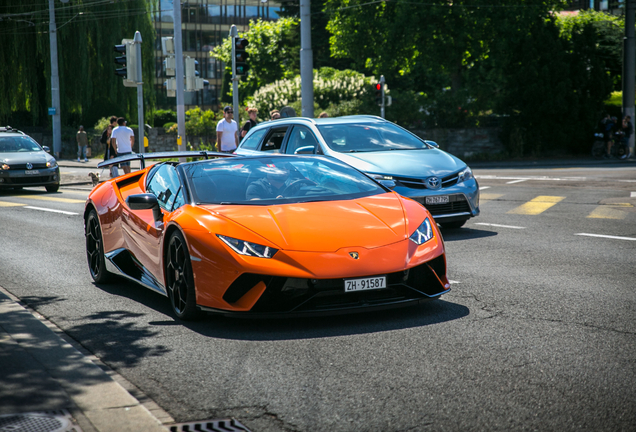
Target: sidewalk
(48, 385)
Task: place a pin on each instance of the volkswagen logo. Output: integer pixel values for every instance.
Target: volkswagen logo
(29, 165)
(433, 183)
(354, 255)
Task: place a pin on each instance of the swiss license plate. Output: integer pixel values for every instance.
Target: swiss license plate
(363, 284)
(443, 199)
(32, 172)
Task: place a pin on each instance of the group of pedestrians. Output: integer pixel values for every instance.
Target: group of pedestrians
(614, 131)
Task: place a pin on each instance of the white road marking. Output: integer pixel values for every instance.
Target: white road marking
(453, 282)
(484, 187)
(50, 210)
(517, 181)
(606, 236)
(500, 226)
(493, 177)
(632, 194)
(628, 181)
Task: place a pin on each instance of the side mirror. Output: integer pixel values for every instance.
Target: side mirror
(432, 143)
(305, 150)
(145, 202)
(46, 149)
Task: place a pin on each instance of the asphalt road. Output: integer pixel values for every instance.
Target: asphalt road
(538, 332)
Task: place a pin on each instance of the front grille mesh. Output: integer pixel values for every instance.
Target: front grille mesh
(417, 183)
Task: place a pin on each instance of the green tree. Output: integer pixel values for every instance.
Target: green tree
(274, 54)
(86, 34)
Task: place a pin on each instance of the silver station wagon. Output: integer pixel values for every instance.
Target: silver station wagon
(413, 167)
(23, 163)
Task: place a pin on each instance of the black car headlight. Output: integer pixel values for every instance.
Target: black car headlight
(423, 233)
(464, 175)
(243, 247)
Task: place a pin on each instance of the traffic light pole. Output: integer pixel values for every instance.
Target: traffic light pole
(55, 83)
(235, 78)
(629, 67)
(140, 92)
(306, 61)
(178, 53)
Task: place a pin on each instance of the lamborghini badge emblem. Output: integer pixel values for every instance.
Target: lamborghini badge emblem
(354, 255)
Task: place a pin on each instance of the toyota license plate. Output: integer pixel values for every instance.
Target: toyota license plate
(443, 199)
(32, 172)
(363, 284)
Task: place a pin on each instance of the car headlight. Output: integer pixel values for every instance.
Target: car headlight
(242, 247)
(5, 167)
(51, 164)
(467, 174)
(423, 233)
(380, 176)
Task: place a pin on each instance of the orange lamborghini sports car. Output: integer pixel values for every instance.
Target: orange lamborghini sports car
(264, 235)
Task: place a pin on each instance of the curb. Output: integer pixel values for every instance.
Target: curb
(43, 371)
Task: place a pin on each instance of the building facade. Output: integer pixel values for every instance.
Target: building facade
(615, 7)
(204, 25)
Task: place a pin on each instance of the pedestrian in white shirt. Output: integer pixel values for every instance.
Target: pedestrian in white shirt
(122, 138)
(227, 131)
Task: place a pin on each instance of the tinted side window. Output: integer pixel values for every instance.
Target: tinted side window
(251, 142)
(165, 185)
(300, 137)
(274, 140)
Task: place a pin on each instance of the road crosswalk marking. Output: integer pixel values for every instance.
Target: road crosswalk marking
(537, 205)
(10, 204)
(50, 198)
(485, 197)
(609, 212)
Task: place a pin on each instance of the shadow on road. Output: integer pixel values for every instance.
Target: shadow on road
(466, 234)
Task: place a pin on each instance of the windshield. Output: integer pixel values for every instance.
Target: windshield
(266, 181)
(18, 144)
(369, 137)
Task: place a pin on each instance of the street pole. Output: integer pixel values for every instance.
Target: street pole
(235, 78)
(306, 60)
(382, 81)
(55, 83)
(629, 66)
(179, 77)
(140, 92)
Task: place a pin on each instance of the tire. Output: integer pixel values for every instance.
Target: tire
(598, 150)
(180, 280)
(95, 250)
(453, 225)
(52, 188)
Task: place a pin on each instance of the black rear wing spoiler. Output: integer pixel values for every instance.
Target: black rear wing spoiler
(143, 157)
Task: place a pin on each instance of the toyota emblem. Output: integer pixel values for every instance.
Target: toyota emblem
(354, 255)
(29, 165)
(433, 183)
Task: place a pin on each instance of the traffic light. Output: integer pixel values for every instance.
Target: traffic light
(129, 61)
(193, 82)
(378, 93)
(241, 56)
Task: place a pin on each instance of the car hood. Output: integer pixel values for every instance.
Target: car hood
(404, 163)
(324, 226)
(38, 157)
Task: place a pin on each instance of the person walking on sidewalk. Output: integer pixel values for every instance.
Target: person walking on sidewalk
(252, 112)
(82, 142)
(227, 132)
(109, 151)
(122, 140)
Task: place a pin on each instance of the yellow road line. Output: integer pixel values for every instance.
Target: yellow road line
(50, 198)
(537, 205)
(10, 204)
(607, 212)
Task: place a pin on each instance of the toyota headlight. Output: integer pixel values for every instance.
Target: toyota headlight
(242, 247)
(51, 164)
(423, 233)
(380, 176)
(466, 174)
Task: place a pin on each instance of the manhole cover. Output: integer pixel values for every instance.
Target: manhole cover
(224, 425)
(45, 421)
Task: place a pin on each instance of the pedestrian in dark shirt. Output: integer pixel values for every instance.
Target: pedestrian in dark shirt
(252, 112)
(628, 130)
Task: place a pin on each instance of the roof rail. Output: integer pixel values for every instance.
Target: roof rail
(143, 157)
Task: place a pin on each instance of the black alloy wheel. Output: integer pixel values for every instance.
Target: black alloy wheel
(180, 280)
(95, 249)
